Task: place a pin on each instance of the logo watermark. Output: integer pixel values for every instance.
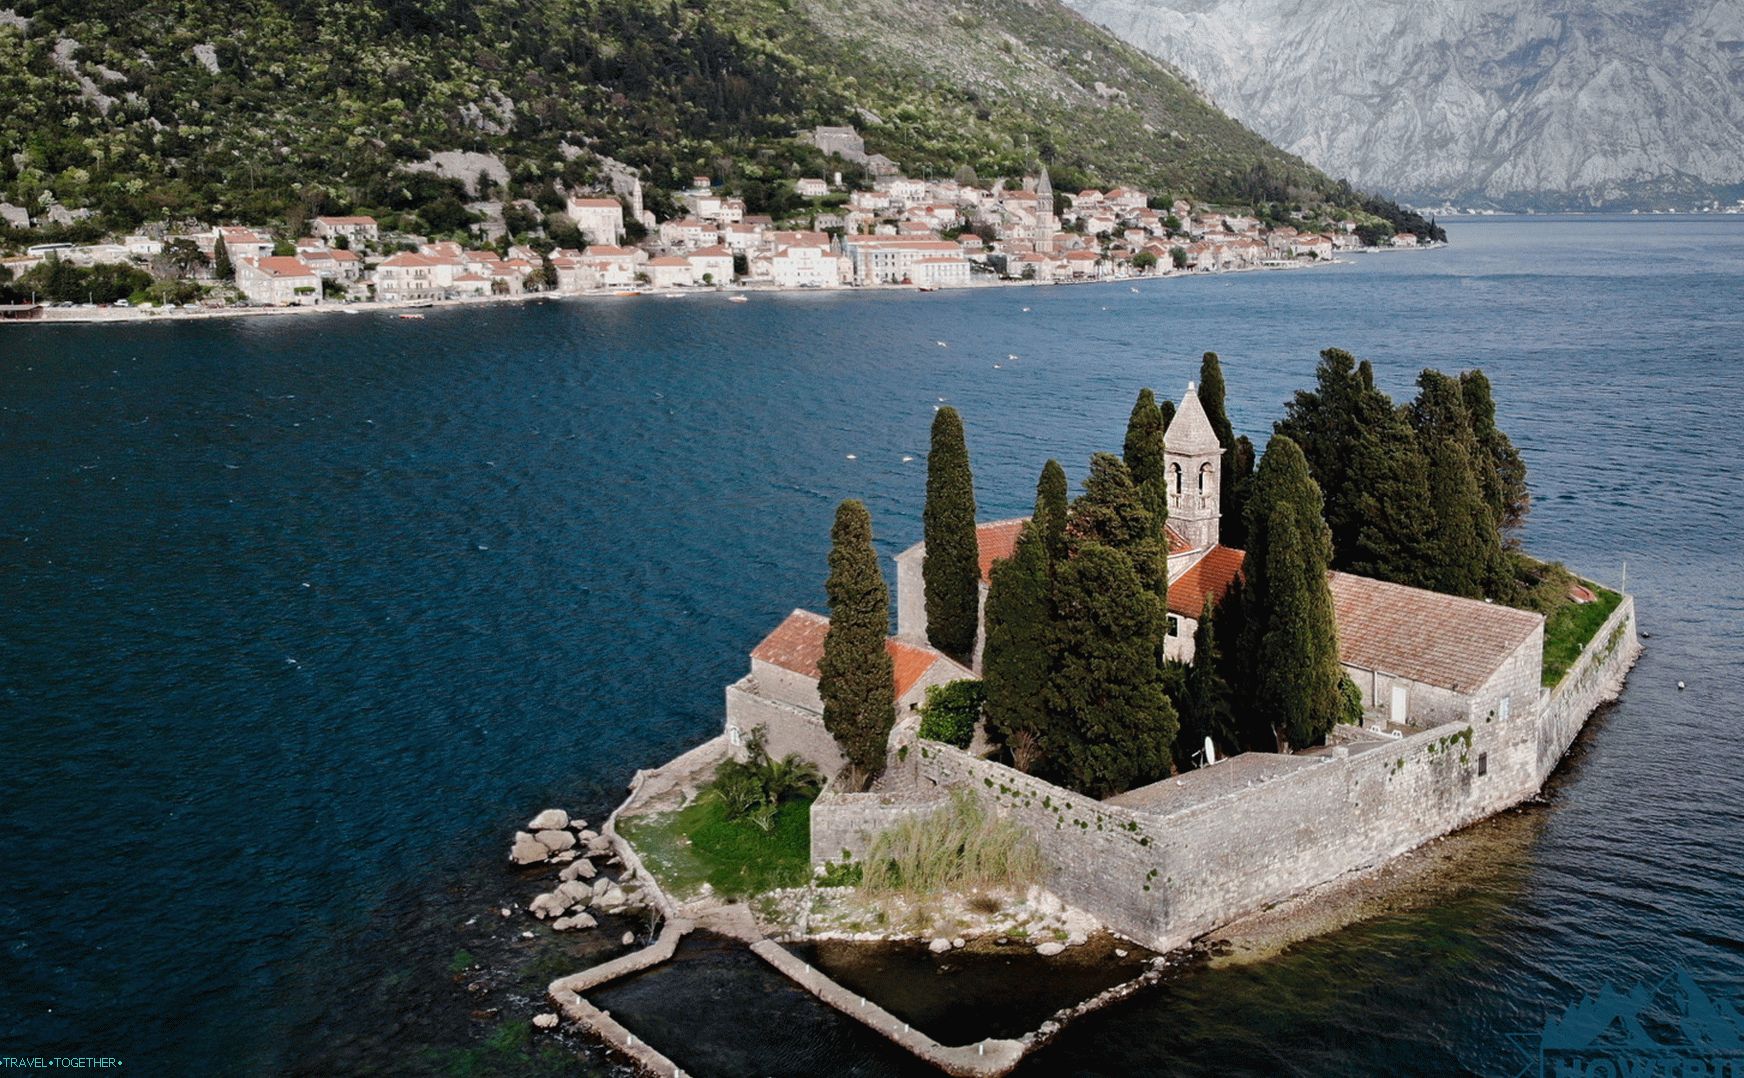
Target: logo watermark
(1673, 1029)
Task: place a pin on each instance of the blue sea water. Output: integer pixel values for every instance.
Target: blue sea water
(299, 618)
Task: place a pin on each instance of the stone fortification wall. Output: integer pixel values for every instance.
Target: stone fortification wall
(1595, 678)
(847, 822)
(1164, 878)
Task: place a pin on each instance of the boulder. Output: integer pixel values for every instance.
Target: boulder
(549, 820)
(581, 870)
(939, 946)
(1049, 949)
(578, 893)
(545, 1021)
(601, 885)
(599, 844)
(555, 841)
(550, 904)
(587, 836)
(573, 921)
(528, 850)
(629, 938)
(1118, 953)
(1077, 939)
(958, 943)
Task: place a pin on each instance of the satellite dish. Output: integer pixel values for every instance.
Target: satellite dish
(1210, 752)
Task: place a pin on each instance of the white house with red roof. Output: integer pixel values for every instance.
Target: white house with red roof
(239, 243)
(605, 266)
(780, 693)
(278, 282)
(689, 232)
(670, 271)
(355, 229)
(805, 265)
(712, 265)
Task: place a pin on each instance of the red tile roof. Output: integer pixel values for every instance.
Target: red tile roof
(1207, 578)
(1422, 635)
(996, 541)
(283, 266)
(797, 644)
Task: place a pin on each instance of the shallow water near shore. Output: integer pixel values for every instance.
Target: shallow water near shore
(302, 617)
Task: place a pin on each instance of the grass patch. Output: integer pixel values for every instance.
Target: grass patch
(1570, 626)
(959, 847)
(701, 844)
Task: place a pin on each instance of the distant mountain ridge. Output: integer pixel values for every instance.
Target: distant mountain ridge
(272, 108)
(1517, 104)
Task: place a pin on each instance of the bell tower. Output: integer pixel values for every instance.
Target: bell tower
(1193, 466)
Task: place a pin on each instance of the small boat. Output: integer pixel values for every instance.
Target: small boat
(627, 292)
(737, 299)
(927, 288)
(413, 317)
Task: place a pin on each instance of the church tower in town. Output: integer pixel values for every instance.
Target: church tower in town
(1193, 466)
(1046, 222)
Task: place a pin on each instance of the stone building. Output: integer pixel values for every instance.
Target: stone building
(780, 693)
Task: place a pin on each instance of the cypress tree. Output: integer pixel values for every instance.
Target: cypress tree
(1288, 632)
(1167, 407)
(1144, 453)
(1465, 552)
(1207, 707)
(1110, 723)
(855, 676)
(1298, 684)
(221, 267)
(1017, 659)
(1238, 455)
(1052, 508)
(951, 572)
(1502, 472)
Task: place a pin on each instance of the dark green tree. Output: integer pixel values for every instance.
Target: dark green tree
(1328, 423)
(855, 676)
(1110, 724)
(1144, 454)
(1017, 658)
(1238, 457)
(1298, 682)
(952, 569)
(1395, 534)
(1207, 705)
(1466, 549)
(1112, 511)
(1167, 407)
(1052, 508)
(221, 267)
(1501, 471)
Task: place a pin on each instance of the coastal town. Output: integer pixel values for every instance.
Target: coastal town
(892, 231)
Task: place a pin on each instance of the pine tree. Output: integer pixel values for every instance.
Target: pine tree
(1052, 508)
(1238, 456)
(221, 267)
(1298, 683)
(951, 571)
(1207, 707)
(1112, 511)
(1110, 724)
(1144, 453)
(1395, 537)
(855, 675)
(1017, 657)
(1466, 551)
(1327, 422)
(1502, 472)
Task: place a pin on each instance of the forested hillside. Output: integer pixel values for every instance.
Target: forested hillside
(264, 109)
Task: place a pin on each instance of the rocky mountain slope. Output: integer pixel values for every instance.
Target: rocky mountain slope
(1505, 103)
(264, 109)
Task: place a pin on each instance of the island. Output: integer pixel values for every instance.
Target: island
(1204, 686)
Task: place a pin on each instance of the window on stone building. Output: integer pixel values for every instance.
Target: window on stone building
(1503, 708)
(1174, 625)
(1483, 763)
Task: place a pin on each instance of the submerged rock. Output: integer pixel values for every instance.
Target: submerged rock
(549, 820)
(578, 893)
(574, 921)
(549, 905)
(629, 938)
(939, 946)
(1050, 948)
(545, 1021)
(528, 850)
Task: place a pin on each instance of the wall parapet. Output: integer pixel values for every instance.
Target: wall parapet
(1595, 678)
